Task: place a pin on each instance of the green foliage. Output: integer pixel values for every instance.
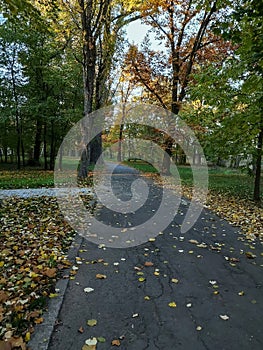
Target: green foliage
(43, 96)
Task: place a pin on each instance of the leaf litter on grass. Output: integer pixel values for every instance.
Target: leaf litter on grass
(240, 212)
(34, 239)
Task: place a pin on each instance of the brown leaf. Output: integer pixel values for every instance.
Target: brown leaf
(116, 342)
(250, 255)
(100, 276)
(33, 314)
(81, 330)
(148, 263)
(5, 345)
(50, 272)
(3, 296)
(18, 342)
(39, 320)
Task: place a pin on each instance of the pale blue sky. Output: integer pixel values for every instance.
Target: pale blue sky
(136, 32)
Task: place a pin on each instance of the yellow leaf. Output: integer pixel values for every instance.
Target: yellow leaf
(141, 279)
(39, 320)
(172, 304)
(175, 280)
(53, 295)
(92, 323)
(27, 337)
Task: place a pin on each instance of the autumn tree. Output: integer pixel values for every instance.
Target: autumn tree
(186, 30)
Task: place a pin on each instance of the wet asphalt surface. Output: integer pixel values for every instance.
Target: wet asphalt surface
(202, 291)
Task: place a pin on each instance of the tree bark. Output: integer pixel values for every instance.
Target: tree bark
(257, 182)
(45, 147)
(37, 143)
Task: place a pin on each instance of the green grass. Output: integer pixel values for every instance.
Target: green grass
(29, 177)
(11, 179)
(142, 166)
(221, 180)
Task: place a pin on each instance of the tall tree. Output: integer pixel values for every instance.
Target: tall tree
(12, 81)
(250, 37)
(186, 28)
(232, 91)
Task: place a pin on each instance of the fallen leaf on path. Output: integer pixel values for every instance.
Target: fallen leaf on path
(224, 317)
(250, 255)
(174, 280)
(193, 241)
(116, 342)
(100, 276)
(92, 323)
(101, 339)
(91, 341)
(88, 347)
(172, 304)
(81, 330)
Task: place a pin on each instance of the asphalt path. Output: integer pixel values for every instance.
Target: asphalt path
(200, 290)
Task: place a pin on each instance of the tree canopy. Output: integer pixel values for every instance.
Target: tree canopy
(63, 59)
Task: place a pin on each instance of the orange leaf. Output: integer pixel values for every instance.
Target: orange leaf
(116, 342)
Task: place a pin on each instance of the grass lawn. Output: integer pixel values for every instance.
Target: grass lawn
(29, 177)
(10, 179)
(221, 180)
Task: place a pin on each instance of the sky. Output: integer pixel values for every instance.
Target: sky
(136, 32)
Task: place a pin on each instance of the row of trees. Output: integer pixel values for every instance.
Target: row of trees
(65, 59)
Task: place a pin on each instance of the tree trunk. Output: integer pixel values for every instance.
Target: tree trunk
(257, 182)
(45, 147)
(60, 157)
(167, 156)
(18, 157)
(37, 143)
(95, 149)
(52, 148)
(89, 66)
(23, 152)
(119, 156)
(5, 154)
